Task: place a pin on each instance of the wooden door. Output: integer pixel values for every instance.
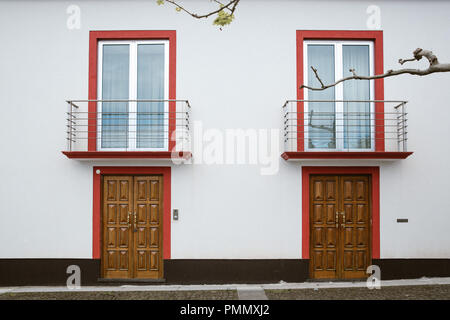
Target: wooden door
(340, 221)
(132, 227)
(148, 227)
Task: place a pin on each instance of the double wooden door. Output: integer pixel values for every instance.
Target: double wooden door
(132, 227)
(340, 224)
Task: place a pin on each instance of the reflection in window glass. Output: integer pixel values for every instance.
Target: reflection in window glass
(321, 115)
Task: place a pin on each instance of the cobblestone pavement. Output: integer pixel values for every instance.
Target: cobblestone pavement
(425, 292)
(124, 295)
(411, 292)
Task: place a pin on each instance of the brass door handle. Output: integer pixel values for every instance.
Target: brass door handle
(135, 222)
(128, 220)
(337, 219)
(343, 219)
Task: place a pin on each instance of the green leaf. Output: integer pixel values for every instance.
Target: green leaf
(160, 2)
(223, 18)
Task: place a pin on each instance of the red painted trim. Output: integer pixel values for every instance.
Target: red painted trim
(377, 38)
(345, 155)
(376, 213)
(126, 155)
(96, 232)
(94, 37)
(373, 171)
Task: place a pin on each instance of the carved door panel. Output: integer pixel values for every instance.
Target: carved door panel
(148, 235)
(324, 229)
(355, 226)
(339, 226)
(132, 227)
(117, 234)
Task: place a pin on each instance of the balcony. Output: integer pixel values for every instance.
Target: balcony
(128, 129)
(362, 129)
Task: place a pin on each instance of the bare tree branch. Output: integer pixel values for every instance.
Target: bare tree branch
(230, 6)
(419, 53)
(317, 76)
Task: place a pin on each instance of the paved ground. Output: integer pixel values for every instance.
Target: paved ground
(123, 295)
(424, 292)
(424, 288)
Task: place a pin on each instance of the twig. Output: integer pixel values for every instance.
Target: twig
(231, 6)
(317, 76)
(419, 53)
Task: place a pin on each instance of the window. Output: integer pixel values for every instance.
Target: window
(133, 87)
(340, 117)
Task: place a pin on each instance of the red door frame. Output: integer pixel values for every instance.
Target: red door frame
(96, 223)
(94, 38)
(374, 172)
(377, 38)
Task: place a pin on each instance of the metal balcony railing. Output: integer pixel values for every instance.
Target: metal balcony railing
(345, 125)
(128, 125)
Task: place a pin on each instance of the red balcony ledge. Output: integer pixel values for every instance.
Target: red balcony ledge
(371, 155)
(157, 155)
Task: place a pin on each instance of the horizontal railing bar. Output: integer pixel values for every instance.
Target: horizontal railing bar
(323, 138)
(317, 134)
(367, 101)
(338, 139)
(127, 138)
(127, 118)
(120, 126)
(154, 133)
(141, 137)
(341, 125)
(137, 119)
(127, 112)
(108, 131)
(349, 112)
(127, 100)
(348, 119)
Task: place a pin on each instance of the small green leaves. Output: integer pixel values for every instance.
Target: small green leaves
(223, 18)
(224, 13)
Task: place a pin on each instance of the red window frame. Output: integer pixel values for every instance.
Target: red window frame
(94, 38)
(377, 38)
(97, 205)
(374, 172)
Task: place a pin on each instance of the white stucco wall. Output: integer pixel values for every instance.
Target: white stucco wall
(235, 78)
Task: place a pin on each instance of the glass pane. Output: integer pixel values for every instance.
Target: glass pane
(115, 85)
(321, 115)
(357, 118)
(150, 82)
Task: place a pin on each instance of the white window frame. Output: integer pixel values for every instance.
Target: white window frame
(132, 105)
(339, 93)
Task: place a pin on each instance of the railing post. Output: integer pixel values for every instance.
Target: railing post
(397, 115)
(184, 127)
(69, 123)
(405, 137)
(345, 127)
